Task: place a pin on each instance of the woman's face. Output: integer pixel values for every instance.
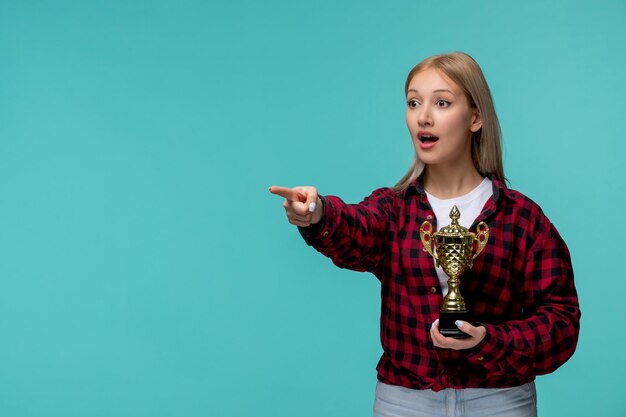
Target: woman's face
(440, 118)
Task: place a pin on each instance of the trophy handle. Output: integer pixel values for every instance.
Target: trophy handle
(426, 234)
(482, 236)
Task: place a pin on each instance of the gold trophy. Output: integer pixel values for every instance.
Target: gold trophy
(456, 250)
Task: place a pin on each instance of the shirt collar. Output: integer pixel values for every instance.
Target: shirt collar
(499, 188)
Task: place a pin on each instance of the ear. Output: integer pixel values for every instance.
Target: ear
(477, 121)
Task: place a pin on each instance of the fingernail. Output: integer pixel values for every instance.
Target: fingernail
(312, 207)
(432, 326)
(459, 323)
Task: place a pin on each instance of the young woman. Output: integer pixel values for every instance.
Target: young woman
(524, 314)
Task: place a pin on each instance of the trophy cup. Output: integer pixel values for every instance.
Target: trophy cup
(456, 250)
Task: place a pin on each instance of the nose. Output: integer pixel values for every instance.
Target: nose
(424, 118)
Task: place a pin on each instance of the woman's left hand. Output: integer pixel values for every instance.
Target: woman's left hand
(477, 334)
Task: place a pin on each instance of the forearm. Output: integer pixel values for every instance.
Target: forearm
(352, 235)
(536, 345)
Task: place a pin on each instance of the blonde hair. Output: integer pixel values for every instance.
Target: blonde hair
(486, 142)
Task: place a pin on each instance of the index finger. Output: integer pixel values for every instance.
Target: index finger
(288, 193)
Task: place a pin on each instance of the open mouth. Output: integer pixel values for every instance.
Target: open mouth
(428, 138)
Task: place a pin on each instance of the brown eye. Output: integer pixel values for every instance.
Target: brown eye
(412, 104)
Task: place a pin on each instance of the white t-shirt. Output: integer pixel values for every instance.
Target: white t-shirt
(470, 205)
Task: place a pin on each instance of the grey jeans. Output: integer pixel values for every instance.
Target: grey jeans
(394, 401)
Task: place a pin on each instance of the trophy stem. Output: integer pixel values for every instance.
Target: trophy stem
(453, 309)
(453, 301)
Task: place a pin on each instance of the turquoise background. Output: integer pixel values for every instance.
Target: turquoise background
(146, 271)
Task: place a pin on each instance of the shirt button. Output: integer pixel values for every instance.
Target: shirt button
(481, 358)
(325, 234)
(429, 217)
(433, 290)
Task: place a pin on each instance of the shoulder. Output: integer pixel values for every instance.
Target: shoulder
(521, 201)
(384, 199)
(522, 211)
(387, 194)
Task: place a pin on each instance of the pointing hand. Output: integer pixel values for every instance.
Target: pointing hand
(302, 204)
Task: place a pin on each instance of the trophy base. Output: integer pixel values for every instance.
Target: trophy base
(447, 326)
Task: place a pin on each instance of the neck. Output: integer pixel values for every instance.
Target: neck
(450, 182)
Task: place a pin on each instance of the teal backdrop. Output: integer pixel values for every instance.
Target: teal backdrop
(145, 270)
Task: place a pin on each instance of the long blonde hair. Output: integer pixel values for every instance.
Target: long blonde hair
(486, 142)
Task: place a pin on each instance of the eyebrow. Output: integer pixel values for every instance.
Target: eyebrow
(441, 90)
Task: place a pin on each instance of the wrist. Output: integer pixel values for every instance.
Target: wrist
(318, 214)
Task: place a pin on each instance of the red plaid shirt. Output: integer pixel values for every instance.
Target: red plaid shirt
(521, 288)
